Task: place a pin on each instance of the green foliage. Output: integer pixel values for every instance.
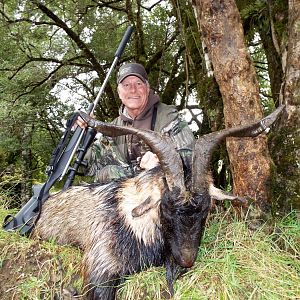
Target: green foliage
(50, 65)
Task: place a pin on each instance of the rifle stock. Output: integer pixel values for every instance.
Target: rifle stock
(25, 219)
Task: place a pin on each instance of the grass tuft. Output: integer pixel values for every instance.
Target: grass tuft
(234, 262)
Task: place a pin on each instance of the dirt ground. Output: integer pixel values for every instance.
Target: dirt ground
(32, 272)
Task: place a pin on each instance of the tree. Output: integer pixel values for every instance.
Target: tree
(50, 47)
(276, 22)
(222, 32)
(265, 24)
(59, 46)
(286, 144)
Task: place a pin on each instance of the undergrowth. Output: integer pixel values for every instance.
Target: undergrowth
(234, 262)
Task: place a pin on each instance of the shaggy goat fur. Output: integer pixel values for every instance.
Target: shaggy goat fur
(153, 219)
(99, 220)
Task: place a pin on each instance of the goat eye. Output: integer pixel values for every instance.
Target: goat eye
(185, 213)
(192, 214)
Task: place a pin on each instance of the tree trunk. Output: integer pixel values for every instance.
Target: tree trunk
(286, 143)
(274, 65)
(223, 34)
(26, 165)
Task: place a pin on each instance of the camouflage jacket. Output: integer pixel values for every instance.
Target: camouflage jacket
(113, 158)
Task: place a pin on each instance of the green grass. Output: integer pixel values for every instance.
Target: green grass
(234, 262)
(30, 269)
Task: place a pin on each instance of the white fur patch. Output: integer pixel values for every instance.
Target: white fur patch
(132, 194)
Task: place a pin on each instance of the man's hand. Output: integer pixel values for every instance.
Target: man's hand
(149, 161)
(81, 123)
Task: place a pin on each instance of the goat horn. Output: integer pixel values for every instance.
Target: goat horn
(206, 144)
(169, 158)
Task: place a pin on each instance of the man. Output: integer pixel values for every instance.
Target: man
(113, 158)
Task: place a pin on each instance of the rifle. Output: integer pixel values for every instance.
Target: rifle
(59, 164)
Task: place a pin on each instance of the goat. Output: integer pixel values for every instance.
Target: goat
(156, 218)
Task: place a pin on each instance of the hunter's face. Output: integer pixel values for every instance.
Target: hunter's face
(133, 93)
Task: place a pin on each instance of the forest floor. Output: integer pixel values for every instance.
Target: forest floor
(234, 262)
(34, 270)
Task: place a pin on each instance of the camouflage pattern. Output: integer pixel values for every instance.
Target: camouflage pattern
(109, 158)
(105, 163)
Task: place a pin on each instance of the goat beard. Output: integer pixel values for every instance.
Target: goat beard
(173, 272)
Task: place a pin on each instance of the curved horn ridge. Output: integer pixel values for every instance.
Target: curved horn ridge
(205, 145)
(169, 158)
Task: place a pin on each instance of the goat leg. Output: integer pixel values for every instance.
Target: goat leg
(104, 289)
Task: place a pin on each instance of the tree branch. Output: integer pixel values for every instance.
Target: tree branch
(81, 45)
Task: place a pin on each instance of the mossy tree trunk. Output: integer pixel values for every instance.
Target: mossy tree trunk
(26, 164)
(235, 74)
(286, 142)
(269, 19)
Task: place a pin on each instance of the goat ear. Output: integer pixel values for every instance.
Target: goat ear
(144, 207)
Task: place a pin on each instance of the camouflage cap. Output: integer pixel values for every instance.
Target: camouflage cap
(132, 69)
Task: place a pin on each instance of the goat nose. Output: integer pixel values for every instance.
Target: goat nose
(186, 263)
(187, 259)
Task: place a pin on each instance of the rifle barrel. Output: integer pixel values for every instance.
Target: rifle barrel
(79, 131)
(118, 53)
